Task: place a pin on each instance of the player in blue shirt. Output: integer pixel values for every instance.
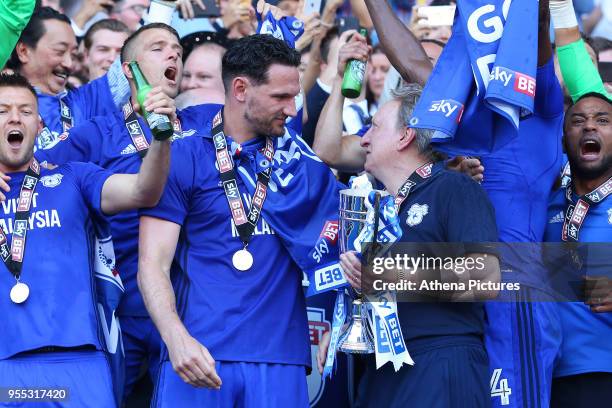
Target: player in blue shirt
(582, 213)
(117, 142)
(52, 334)
(444, 339)
(45, 56)
(235, 332)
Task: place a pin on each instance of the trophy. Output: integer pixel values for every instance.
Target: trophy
(356, 336)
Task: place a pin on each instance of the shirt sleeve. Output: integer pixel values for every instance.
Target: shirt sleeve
(90, 180)
(14, 16)
(579, 73)
(471, 217)
(174, 203)
(79, 144)
(549, 95)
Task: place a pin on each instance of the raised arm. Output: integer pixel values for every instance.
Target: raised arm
(401, 46)
(341, 152)
(579, 73)
(157, 244)
(545, 50)
(130, 191)
(14, 16)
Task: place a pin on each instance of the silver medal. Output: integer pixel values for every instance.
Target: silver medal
(242, 260)
(20, 292)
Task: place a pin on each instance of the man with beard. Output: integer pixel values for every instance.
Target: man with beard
(52, 333)
(234, 327)
(118, 142)
(582, 212)
(45, 55)
(579, 213)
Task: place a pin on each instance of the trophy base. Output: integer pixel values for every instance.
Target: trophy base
(357, 339)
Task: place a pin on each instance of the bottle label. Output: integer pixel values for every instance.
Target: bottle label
(155, 119)
(357, 70)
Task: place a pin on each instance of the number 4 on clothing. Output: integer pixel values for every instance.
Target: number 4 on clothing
(499, 387)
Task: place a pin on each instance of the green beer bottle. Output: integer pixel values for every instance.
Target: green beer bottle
(160, 125)
(353, 75)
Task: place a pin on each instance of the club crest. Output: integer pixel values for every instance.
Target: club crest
(416, 214)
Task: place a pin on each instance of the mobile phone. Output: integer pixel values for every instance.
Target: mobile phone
(211, 10)
(436, 16)
(312, 6)
(347, 23)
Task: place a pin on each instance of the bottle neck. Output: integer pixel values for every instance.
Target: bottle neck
(139, 79)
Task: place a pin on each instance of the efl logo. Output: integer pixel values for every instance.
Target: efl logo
(330, 231)
(127, 110)
(448, 107)
(425, 171)
(525, 84)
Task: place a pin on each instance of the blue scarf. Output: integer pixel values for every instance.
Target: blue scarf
(109, 289)
(301, 206)
(484, 81)
(288, 28)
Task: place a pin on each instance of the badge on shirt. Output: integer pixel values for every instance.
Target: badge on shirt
(416, 214)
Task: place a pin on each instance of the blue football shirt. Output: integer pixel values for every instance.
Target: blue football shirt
(447, 207)
(586, 335)
(258, 315)
(58, 262)
(106, 142)
(519, 178)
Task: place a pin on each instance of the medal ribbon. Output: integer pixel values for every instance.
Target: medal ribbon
(13, 256)
(135, 130)
(576, 214)
(65, 118)
(245, 223)
(418, 176)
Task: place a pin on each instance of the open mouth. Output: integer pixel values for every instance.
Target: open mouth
(590, 149)
(15, 138)
(170, 73)
(63, 75)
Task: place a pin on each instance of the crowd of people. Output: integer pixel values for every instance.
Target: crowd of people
(171, 268)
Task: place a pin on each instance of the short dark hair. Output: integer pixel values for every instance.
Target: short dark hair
(326, 43)
(252, 57)
(127, 49)
(16, 81)
(34, 31)
(106, 24)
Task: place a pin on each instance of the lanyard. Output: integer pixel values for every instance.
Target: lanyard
(135, 130)
(245, 223)
(65, 118)
(418, 176)
(13, 256)
(575, 214)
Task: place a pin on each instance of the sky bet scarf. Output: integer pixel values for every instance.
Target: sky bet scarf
(484, 81)
(301, 206)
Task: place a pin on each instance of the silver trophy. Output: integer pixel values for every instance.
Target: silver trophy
(356, 335)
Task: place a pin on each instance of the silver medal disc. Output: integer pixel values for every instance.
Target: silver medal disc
(20, 292)
(242, 260)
